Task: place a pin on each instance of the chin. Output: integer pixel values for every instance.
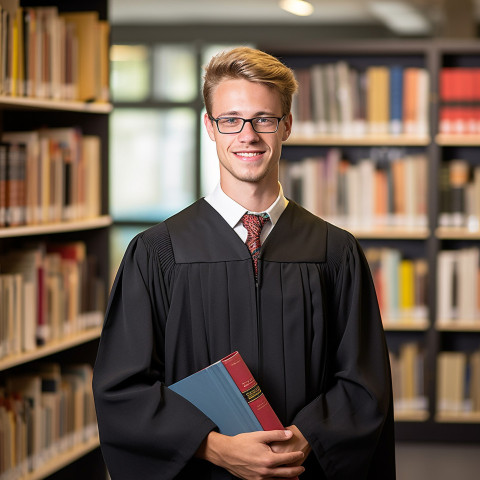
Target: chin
(252, 178)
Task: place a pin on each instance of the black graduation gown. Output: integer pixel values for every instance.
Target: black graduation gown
(310, 331)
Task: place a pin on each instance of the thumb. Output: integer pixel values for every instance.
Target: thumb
(275, 436)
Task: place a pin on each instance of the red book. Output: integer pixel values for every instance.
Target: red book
(227, 392)
(251, 391)
(229, 395)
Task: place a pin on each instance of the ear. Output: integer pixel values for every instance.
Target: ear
(288, 127)
(209, 126)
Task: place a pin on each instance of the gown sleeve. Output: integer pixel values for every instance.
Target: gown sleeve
(146, 430)
(350, 425)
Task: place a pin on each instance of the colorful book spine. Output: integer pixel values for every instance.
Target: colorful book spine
(387, 189)
(47, 293)
(229, 395)
(458, 287)
(44, 413)
(408, 379)
(396, 99)
(49, 176)
(401, 285)
(459, 100)
(46, 53)
(341, 99)
(251, 392)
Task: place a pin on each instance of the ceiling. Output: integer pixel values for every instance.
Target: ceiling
(341, 12)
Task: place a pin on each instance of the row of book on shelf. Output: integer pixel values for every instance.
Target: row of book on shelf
(387, 189)
(49, 175)
(401, 286)
(408, 378)
(47, 54)
(43, 413)
(458, 286)
(459, 96)
(47, 292)
(342, 99)
(459, 195)
(457, 381)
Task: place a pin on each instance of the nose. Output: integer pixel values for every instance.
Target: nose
(248, 134)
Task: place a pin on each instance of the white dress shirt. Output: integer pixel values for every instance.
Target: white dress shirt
(232, 212)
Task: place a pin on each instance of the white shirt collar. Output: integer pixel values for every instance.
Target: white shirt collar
(232, 211)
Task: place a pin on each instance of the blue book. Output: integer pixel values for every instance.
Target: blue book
(229, 395)
(396, 99)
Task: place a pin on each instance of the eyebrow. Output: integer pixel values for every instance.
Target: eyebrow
(234, 113)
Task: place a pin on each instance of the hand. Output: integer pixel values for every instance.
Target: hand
(249, 455)
(297, 442)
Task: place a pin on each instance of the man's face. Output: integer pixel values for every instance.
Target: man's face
(247, 156)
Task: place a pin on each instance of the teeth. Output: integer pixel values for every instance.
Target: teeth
(247, 154)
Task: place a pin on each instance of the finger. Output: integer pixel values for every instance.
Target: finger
(273, 436)
(287, 458)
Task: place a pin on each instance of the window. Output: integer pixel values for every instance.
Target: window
(130, 73)
(152, 176)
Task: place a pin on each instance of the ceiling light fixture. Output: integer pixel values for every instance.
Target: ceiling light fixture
(297, 7)
(400, 17)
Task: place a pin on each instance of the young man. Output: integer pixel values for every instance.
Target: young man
(301, 309)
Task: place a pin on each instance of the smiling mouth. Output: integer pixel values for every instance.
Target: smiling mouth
(249, 154)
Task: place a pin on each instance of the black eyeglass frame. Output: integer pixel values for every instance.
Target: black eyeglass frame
(245, 120)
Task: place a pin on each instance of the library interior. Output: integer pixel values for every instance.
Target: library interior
(102, 137)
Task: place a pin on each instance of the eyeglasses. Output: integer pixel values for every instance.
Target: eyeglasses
(236, 124)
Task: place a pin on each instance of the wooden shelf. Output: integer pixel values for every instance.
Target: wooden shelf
(458, 326)
(50, 348)
(28, 230)
(460, 417)
(364, 140)
(457, 233)
(62, 460)
(413, 233)
(411, 415)
(404, 325)
(458, 140)
(47, 104)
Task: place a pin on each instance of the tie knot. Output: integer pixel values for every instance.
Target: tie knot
(254, 223)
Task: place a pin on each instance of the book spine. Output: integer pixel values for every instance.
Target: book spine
(251, 391)
(396, 99)
(51, 412)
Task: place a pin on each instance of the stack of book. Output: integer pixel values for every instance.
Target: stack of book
(48, 176)
(42, 414)
(384, 190)
(47, 293)
(47, 54)
(338, 99)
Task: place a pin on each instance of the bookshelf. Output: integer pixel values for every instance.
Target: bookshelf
(415, 421)
(365, 140)
(68, 233)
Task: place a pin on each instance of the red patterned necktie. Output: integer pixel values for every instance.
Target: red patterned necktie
(254, 224)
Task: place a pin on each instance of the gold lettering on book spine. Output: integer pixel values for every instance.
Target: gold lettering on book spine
(252, 393)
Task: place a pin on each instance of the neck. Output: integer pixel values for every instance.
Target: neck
(252, 196)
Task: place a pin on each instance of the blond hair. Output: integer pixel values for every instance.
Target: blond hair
(253, 65)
